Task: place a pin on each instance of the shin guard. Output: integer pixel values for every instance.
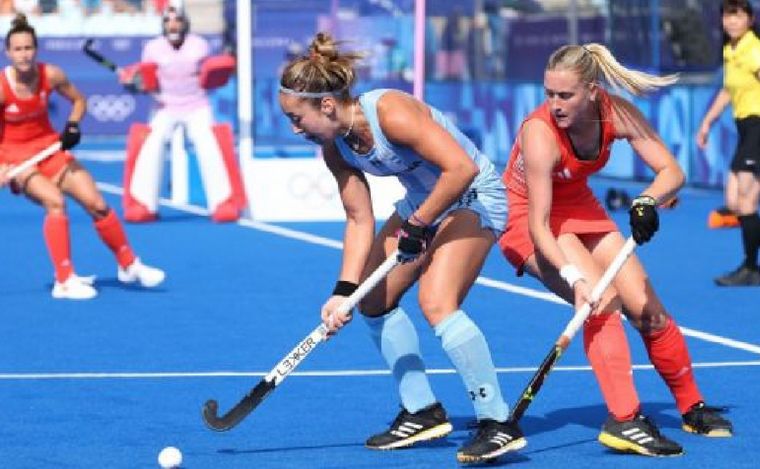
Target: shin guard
(607, 349)
(55, 229)
(111, 231)
(670, 357)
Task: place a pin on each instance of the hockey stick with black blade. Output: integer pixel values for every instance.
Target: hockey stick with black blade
(299, 353)
(567, 335)
(97, 56)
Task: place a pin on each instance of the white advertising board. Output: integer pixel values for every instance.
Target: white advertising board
(303, 189)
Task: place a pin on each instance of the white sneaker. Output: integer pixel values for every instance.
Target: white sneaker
(86, 279)
(75, 288)
(137, 271)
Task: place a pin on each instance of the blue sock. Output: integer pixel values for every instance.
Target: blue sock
(395, 337)
(468, 351)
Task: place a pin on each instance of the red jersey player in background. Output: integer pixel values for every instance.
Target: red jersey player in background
(558, 232)
(25, 87)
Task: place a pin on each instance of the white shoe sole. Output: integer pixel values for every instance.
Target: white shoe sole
(519, 443)
(128, 279)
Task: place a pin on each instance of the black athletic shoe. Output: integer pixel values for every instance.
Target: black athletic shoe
(491, 441)
(705, 420)
(742, 277)
(407, 429)
(639, 436)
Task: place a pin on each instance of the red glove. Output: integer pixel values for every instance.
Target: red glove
(216, 71)
(141, 77)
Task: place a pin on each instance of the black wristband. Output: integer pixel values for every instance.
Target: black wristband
(344, 288)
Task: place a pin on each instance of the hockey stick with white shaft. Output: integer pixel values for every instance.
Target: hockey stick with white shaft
(572, 328)
(28, 163)
(299, 353)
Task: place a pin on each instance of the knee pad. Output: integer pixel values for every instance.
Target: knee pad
(134, 211)
(230, 209)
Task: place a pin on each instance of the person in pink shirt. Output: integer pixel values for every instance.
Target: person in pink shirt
(184, 71)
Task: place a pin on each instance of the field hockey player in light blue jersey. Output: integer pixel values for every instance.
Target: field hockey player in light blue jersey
(453, 211)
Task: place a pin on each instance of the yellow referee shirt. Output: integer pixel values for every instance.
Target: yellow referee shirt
(740, 79)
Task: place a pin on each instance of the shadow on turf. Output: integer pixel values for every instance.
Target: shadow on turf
(113, 282)
(504, 460)
(234, 451)
(594, 417)
(587, 416)
(177, 215)
(441, 443)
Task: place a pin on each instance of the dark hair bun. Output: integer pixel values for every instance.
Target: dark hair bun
(19, 21)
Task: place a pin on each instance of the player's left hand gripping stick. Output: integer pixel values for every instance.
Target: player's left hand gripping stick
(273, 379)
(570, 330)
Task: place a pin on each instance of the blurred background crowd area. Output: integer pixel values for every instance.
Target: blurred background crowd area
(481, 39)
(465, 39)
(106, 17)
(483, 61)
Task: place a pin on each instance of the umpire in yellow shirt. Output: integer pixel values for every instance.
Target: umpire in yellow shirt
(741, 89)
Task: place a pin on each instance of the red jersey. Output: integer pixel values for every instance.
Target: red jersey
(570, 175)
(574, 208)
(26, 127)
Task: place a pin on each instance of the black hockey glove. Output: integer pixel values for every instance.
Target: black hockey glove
(643, 218)
(70, 135)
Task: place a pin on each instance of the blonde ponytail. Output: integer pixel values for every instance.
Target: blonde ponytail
(594, 62)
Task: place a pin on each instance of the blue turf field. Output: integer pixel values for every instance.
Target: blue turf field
(109, 382)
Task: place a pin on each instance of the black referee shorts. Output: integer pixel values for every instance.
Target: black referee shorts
(747, 155)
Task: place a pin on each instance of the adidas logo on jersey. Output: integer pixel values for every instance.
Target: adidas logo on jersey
(12, 108)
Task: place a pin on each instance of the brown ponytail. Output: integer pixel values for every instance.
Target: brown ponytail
(323, 71)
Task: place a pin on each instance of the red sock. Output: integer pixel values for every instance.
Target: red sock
(670, 357)
(112, 233)
(55, 229)
(607, 349)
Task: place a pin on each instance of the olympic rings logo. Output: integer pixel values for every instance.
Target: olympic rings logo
(314, 190)
(111, 107)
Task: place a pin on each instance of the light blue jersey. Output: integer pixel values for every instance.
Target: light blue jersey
(485, 196)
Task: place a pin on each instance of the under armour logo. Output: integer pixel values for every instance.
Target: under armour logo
(481, 392)
(468, 197)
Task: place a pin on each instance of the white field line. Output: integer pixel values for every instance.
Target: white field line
(329, 374)
(485, 281)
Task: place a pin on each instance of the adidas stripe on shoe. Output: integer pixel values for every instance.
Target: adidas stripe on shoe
(638, 436)
(491, 440)
(409, 428)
